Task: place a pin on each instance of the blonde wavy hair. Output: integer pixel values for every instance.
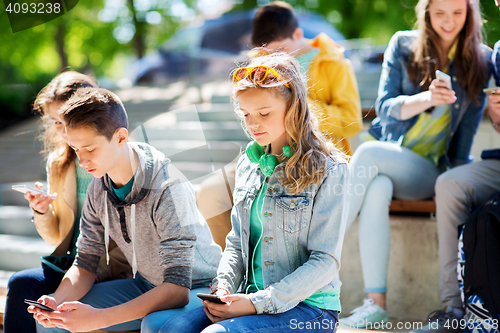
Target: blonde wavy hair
(425, 58)
(310, 148)
(60, 89)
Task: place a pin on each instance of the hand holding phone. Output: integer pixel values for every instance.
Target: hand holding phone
(38, 199)
(33, 190)
(38, 305)
(210, 297)
(445, 78)
(492, 91)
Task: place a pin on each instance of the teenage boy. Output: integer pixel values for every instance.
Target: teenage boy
(139, 200)
(332, 95)
(459, 192)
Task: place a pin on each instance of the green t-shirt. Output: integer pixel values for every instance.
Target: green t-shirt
(255, 281)
(123, 191)
(322, 300)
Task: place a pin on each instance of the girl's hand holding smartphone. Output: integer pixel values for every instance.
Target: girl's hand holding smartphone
(38, 199)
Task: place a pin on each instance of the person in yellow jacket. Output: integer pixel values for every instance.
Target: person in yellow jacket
(332, 95)
(333, 92)
(332, 88)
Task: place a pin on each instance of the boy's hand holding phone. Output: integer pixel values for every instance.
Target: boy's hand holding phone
(41, 315)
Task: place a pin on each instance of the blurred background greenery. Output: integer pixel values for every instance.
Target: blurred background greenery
(103, 37)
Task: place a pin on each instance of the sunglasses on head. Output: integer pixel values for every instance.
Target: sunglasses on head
(257, 74)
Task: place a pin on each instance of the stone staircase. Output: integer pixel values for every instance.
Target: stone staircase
(199, 139)
(20, 245)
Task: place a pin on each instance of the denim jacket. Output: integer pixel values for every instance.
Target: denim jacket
(395, 86)
(301, 239)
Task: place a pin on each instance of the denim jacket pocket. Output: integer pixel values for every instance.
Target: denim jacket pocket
(292, 212)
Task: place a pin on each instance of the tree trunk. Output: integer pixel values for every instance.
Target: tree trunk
(139, 35)
(60, 34)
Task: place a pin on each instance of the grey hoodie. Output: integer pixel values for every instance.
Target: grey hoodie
(158, 226)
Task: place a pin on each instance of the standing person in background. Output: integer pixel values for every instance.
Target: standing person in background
(458, 193)
(57, 221)
(332, 93)
(422, 128)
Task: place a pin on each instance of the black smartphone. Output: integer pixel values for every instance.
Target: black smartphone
(210, 298)
(38, 305)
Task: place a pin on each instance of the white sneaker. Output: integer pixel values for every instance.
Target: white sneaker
(366, 315)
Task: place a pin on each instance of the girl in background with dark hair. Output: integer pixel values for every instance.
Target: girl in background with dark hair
(422, 128)
(57, 221)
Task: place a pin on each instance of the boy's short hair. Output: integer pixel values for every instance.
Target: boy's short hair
(273, 22)
(97, 108)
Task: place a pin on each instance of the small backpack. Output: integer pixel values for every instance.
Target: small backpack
(479, 268)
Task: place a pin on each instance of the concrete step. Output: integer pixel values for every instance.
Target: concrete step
(9, 197)
(196, 172)
(16, 220)
(198, 151)
(21, 252)
(210, 115)
(4, 279)
(202, 112)
(223, 106)
(220, 99)
(193, 130)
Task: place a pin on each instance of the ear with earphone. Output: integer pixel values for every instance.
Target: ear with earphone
(267, 162)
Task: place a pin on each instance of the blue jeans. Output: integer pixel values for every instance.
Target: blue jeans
(378, 172)
(154, 321)
(27, 284)
(112, 293)
(302, 318)
(459, 192)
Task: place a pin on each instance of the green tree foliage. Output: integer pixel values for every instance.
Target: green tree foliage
(100, 37)
(378, 19)
(92, 38)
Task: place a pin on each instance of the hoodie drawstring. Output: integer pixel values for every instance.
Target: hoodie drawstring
(106, 227)
(132, 227)
(106, 232)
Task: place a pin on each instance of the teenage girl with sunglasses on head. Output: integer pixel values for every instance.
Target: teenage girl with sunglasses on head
(422, 128)
(281, 264)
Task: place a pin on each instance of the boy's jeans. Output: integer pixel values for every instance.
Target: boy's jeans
(112, 293)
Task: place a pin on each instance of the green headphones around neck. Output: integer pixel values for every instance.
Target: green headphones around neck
(267, 162)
